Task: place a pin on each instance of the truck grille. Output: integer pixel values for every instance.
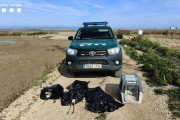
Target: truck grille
(99, 61)
(86, 52)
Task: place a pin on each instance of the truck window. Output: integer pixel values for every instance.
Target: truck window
(94, 33)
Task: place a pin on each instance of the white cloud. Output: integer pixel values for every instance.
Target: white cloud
(86, 3)
(94, 5)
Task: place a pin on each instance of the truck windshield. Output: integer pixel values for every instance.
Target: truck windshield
(94, 33)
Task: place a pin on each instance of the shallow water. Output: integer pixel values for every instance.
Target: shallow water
(7, 42)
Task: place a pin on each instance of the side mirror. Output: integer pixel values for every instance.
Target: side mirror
(70, 38)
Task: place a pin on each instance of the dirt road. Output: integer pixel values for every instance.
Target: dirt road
(30, 107)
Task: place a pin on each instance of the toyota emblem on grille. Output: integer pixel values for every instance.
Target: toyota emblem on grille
(92, 53)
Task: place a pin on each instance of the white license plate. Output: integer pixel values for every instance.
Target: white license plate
(92, 66)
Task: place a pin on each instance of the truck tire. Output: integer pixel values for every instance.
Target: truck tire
(70, 74)
(118, 73)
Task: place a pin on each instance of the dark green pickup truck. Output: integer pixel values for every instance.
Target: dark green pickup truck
(94, 48)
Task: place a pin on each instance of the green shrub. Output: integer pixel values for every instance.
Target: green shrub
(20, 33)
(174, 99)
(160, 91)
(143, 48)
(124, 42)
(148, 43)
(163, 50)
(47, 37)
(173, 33)
(168, 52)
(101, 116)
(125, 32)
(137, 39)
(133, 43)
(145, 44)
(132, 53)
(166, 32)
(155, 32)
(11, 34)
(157, 67)
(4, 34)
(137, 47)
(16, 34)
(37, 33)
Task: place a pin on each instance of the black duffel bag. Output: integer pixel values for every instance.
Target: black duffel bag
(77, 91)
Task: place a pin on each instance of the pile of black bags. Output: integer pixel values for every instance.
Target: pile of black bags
(77, 91)
(99, 101)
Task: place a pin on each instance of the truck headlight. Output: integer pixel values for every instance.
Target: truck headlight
(71, 51)
(114, 50)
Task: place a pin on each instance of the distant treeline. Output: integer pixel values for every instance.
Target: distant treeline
(21, 33)
(125, 32)
(166, 32)
(148, 32)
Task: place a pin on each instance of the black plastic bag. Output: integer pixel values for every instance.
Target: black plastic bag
(56, 91)
(66, 99)
(77, 91)
(99, 101)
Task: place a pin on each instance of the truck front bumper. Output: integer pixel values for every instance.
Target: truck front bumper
(111, 66)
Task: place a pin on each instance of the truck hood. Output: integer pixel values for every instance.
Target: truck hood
(93, 44)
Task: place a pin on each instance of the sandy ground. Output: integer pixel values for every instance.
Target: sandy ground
(167, 42)
(30, 107)
(59, 35)
(26, 61)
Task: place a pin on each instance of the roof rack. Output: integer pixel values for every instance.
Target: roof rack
(94, 23)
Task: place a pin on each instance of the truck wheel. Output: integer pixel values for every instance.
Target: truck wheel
(118, 73)
(70, 74)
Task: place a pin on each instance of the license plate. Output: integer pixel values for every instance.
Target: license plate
(92, 66)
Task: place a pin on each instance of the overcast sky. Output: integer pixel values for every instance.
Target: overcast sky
(125, 14)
